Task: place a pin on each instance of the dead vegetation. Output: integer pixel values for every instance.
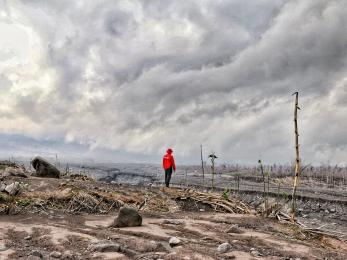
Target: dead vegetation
(216, 201)
(202, 220)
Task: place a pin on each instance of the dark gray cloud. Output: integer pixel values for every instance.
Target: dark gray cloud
(140, 76)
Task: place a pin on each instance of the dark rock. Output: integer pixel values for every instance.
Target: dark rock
(128, 217)
(44, 168)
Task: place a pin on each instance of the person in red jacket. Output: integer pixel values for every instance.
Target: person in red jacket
(168, 165)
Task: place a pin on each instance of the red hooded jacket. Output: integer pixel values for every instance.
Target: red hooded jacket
(168, 160)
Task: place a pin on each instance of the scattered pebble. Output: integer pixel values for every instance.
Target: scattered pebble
(255, 253)
(223, 248)
(55, 254)
(174, 241)
(234, 229)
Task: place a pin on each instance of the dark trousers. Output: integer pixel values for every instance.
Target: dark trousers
(168, 173)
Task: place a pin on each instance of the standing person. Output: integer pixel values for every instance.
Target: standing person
(168, 165)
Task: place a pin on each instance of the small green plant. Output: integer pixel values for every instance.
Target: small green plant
(24, 202)
(4, 198)
(285, 196)
(226, 194)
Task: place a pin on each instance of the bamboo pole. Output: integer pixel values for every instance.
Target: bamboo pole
(297, 153)
(202, 166)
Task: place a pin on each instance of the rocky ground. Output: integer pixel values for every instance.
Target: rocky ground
(71, 218)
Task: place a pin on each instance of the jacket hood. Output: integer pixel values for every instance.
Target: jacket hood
(169, 151)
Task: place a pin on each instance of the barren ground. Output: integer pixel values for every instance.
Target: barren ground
(45, 218)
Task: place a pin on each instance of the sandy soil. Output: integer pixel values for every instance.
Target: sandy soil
(200, 233)
(28, 233)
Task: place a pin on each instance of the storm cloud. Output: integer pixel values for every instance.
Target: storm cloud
(139, 76)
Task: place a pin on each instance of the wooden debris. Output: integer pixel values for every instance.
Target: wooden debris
(285, 218)
(216, 201)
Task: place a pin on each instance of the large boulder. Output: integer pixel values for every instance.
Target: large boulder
(128, 217)
(44, 168)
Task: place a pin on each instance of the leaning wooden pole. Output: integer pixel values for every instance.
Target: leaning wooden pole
(202, 167)
(297, 153)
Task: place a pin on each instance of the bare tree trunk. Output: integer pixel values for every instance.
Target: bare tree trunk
(297, 162)
(186, 178)
(238, 183)
(264, 192)
(213, 172)
(202, 167)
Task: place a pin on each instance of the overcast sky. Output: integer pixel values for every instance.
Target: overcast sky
(124, 80)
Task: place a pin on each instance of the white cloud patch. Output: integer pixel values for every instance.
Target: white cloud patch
(139, 76)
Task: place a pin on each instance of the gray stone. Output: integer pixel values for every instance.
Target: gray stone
(27, 238)
(55, 254)
(234, 229)
(223, 248)
(13, 188)
(255, 253)
(128, 217)
(104, 247)
(44, 168)
(173, 222)
(174, 241)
